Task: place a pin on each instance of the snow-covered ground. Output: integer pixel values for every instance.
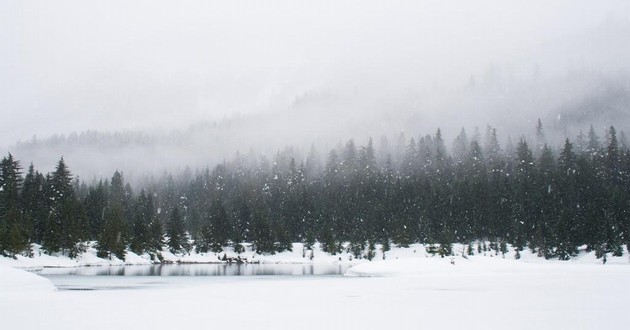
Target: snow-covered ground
(409, 290)
(298, 255)
(88, 258)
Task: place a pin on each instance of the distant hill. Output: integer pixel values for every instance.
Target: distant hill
(565, 104)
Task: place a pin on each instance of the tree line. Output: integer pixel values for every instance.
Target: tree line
(550, 200)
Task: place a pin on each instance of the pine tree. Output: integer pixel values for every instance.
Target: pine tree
(349, 160)
(112, 240)
(220, 230)
(545, 204)
(460, 147)
(568, 211)
(475, 217)
(313, 166)
(113, 237)
(14, 230)
(590, 201)
(616, 201)
(95, 204)
(612, 158)
(493, 150)
(140, 228)
(580, 143)
(540, 138)
(177, 239)
(441, 157)
(593, 145)
(156, 230)
(242, 228)
(34, 203)
(65, 227)
(367, 161)
(623, 142)
(292, 195)
(261, 236)
(523, 211)
(411, 163)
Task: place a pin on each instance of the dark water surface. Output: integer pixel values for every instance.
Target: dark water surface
(146, 276)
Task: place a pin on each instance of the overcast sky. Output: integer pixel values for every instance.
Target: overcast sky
(76, 65)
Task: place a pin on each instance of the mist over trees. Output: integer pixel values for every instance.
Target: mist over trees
(551, 199)
(565, 105)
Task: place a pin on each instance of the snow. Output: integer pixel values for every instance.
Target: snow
(421, 292)
(41, 259)
(406, 288)
(408, 267)
(298, 255)
(19, 281)
(89, 258)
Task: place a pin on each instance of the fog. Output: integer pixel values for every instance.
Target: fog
(169, 84)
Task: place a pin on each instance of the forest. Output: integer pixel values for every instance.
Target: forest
(531, 195)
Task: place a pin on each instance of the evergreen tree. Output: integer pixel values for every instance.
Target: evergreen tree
(14, 229)
(593, 145)
(540, 138)
(522, 205)
(568, 211)
(623, 142)
(580, 143)
(156, 230)
(612, 158)
(113, 237)
(546, 205)
(220, 230)
(65, 227)
(140, 229)
(475, 213)
(95, 203)
(493, 150)
(34, 205)
(349, 160)
(313, 166)
(616, 201)
(261, 236)
(411, 162)
(177, 239)
(460, 147)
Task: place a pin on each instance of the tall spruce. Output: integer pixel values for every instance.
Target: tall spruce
(113, 238)
(177, 240)
(34, 204)
(66, 223)
(14, 226)
(567, 225)
(143, 215)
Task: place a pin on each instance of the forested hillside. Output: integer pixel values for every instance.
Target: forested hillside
(550, 199)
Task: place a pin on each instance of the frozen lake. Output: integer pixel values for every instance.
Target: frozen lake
(175, 275)
(476, 293)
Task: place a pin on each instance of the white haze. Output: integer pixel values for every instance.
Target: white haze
(276, 73)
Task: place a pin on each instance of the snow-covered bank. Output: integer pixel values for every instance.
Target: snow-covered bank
(41, 259)
(299, 254)
(18, 281)
(405, 263)
(408, 267)
(473, 265)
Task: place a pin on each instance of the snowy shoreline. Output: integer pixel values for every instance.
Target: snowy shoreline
(298, 255)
